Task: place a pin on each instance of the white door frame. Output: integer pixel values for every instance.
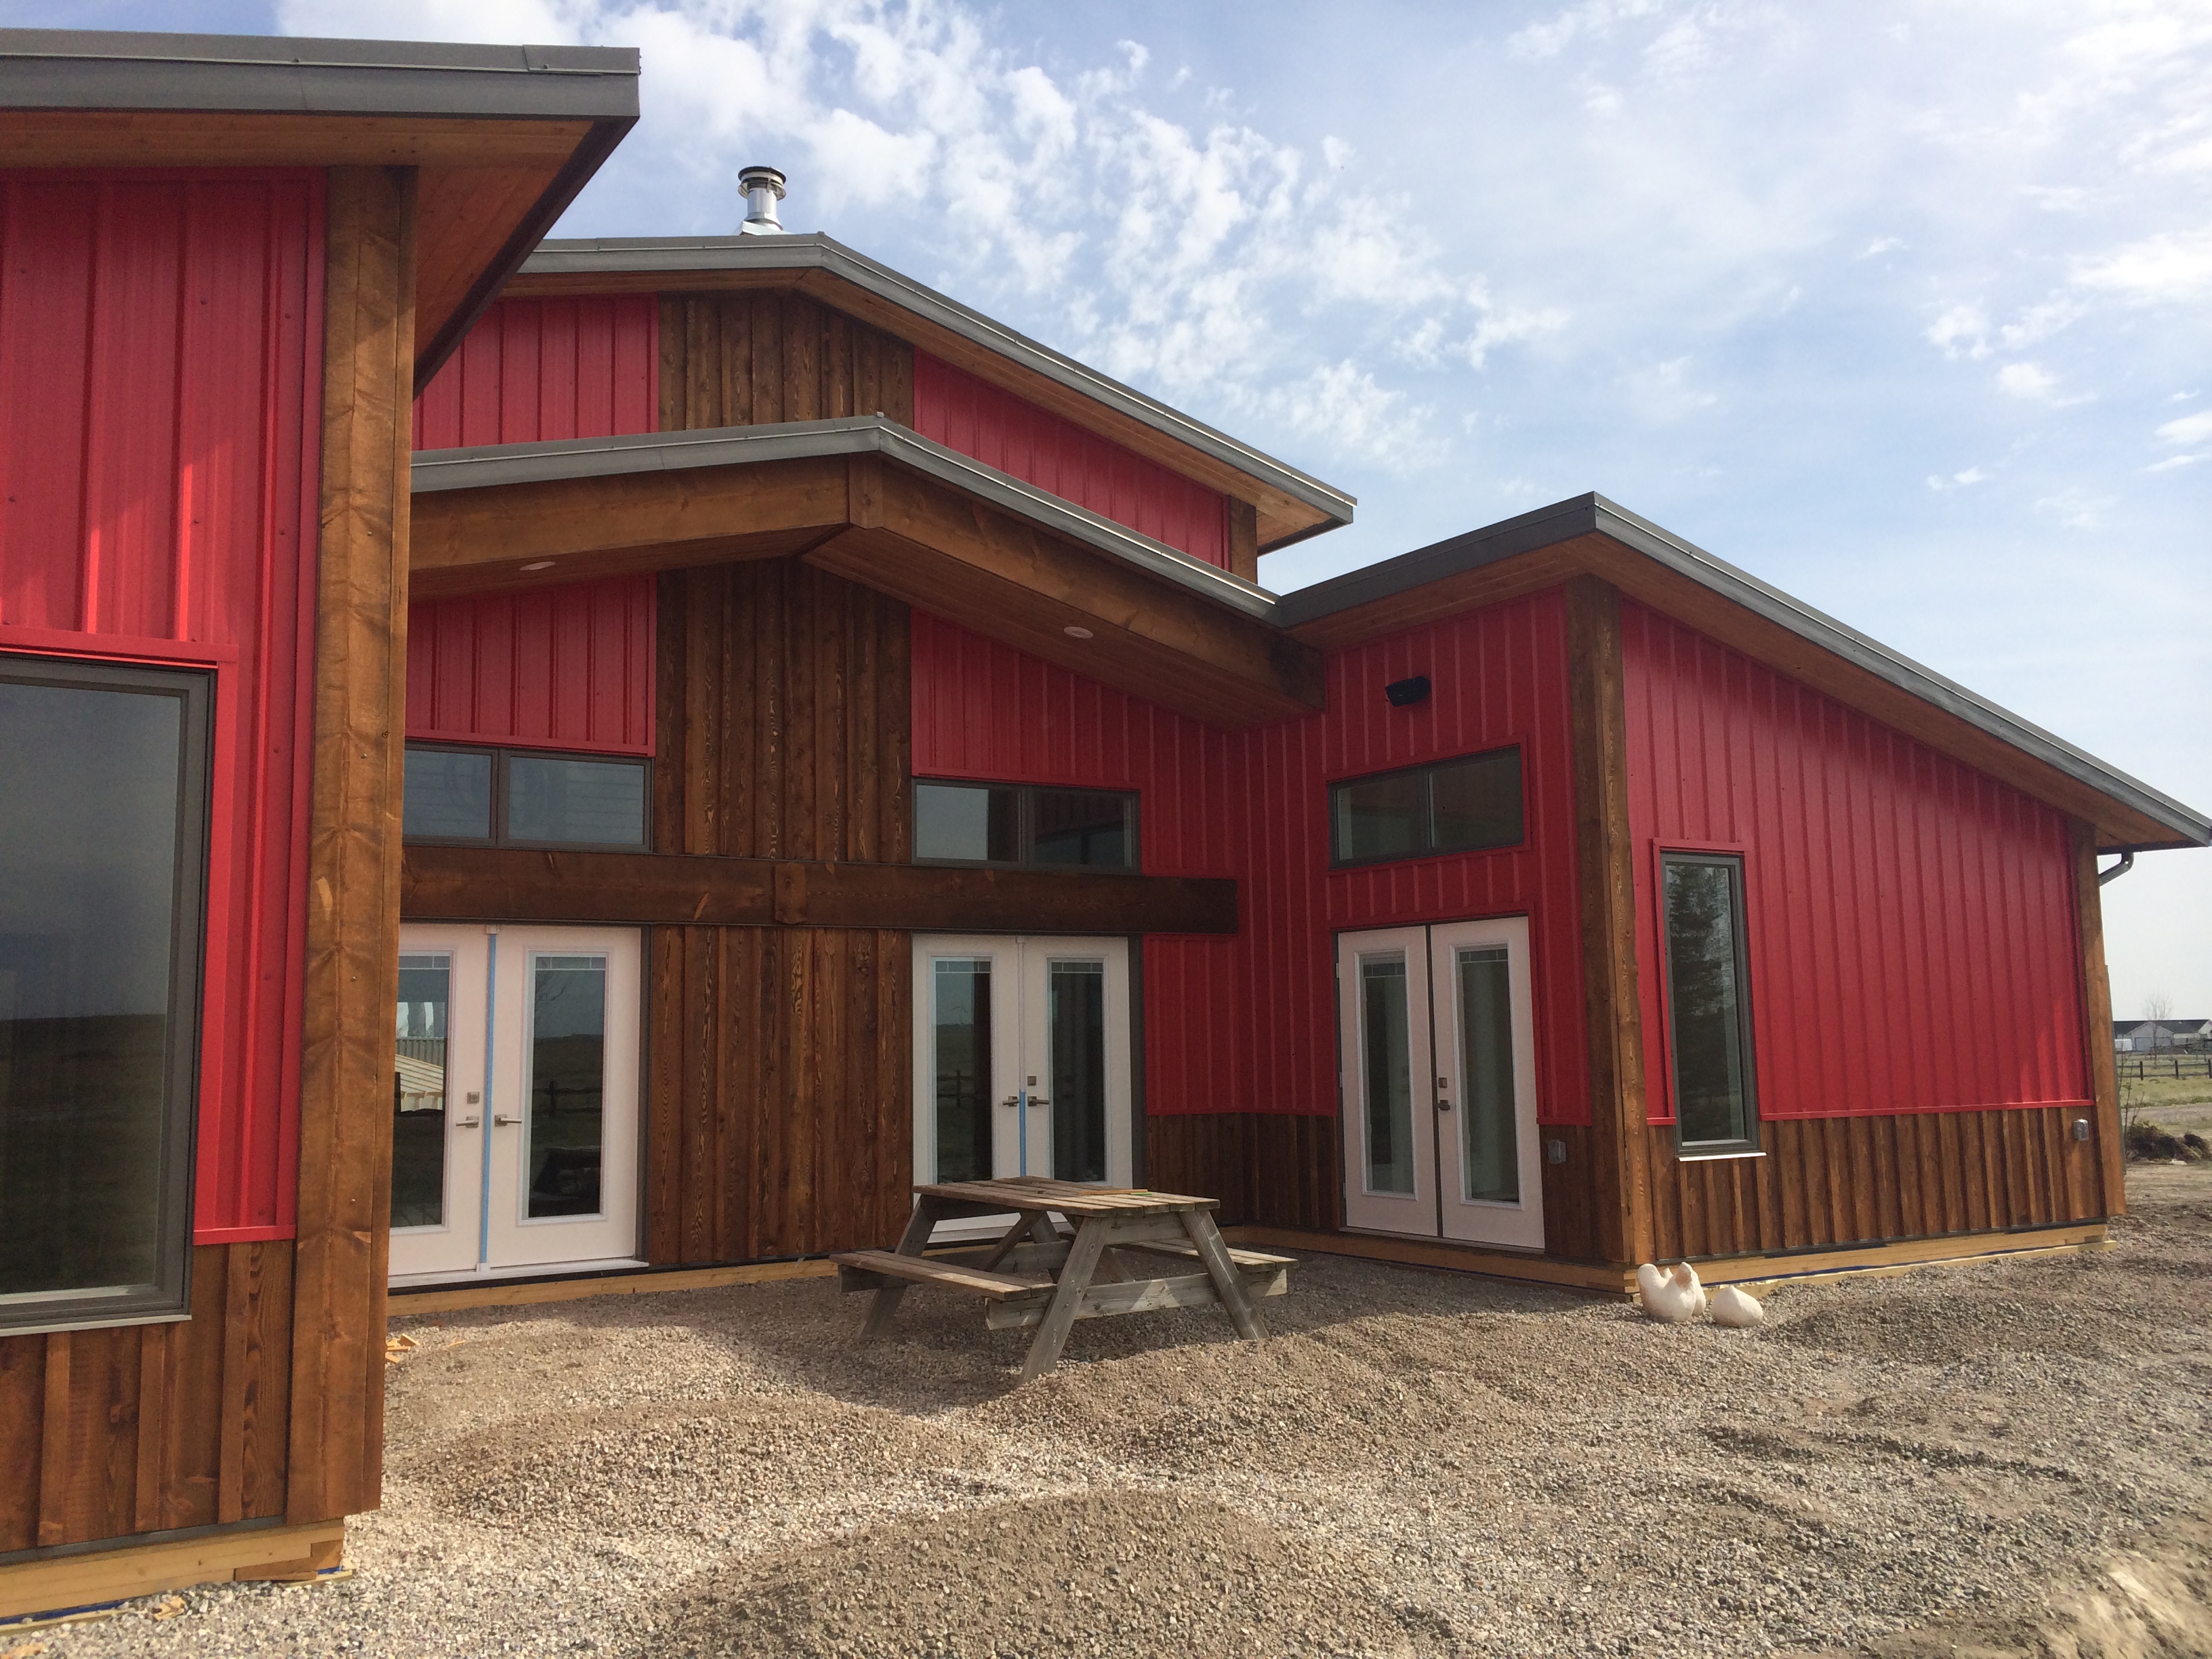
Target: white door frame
(1019, 1044)
(488, 1230)
(1437, 1205)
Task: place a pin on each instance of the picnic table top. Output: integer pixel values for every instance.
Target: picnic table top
(1072, 1199)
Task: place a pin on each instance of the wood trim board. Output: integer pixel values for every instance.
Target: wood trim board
(28, 1589)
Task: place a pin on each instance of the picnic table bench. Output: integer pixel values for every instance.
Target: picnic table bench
(1036, 1275)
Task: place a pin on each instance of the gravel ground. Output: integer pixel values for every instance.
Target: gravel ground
(2009, 1459)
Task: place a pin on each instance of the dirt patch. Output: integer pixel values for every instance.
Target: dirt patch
(1093, 1573)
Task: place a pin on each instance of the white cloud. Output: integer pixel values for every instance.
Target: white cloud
(1966, 480)
(1961, 331)
(2033, 383)
(1882, 244)
(2077, 508)
(2189, 429)
(2164, 269)
(1342, 404)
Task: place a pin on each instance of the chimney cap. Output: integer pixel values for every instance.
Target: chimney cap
(764, 188)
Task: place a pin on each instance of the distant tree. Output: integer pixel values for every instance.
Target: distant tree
(2158, 1008)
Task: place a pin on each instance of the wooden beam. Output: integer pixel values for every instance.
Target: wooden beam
(505, 883)
(945, 551)
(1244, 540)
(2097, 1022)
(1606, 872)
(28, 1588)
(336, 1463)
(472, 540)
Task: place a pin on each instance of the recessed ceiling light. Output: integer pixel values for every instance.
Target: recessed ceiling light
(539, 564)
(1075, 633)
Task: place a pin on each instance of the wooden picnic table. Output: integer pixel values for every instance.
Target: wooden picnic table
(1037, 1275)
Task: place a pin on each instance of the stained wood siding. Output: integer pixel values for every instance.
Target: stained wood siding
(144, 1428)
(779, 1093)
(1855, 1179)
(531, 371)
(160, 361)
(759, 357)
(1268, 1169)
(1911, 921)
(1014, 435)
(565, 667)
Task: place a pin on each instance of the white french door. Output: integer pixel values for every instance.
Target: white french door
(1022, 1061)
(514, 1100)
(1439, 1060)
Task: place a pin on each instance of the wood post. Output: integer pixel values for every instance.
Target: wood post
(2097, 1022)
(353, 863)
(1621, 1182)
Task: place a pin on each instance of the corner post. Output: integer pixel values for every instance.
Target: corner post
(1605, 862)
(336, 1439)
(2097, 1021)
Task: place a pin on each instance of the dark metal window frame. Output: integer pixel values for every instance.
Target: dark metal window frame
(1025, 826)
(500, 758)
(1732, 861)
(1425, 771)
(169, 1295)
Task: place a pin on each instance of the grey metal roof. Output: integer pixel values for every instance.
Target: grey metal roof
(94, 69)
(493, 465)
(814, 252)
(1593, 514)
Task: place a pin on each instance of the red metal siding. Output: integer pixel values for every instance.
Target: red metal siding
(534, 370)
(567, 667)
(1249, 1023)
(160, 397)
(1910, 920)
(1002, 430)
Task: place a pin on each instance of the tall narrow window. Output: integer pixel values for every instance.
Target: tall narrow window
(1384, 1013)
(1709, 1002)
(103, 859)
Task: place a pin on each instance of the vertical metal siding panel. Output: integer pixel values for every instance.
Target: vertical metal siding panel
(159, 370)
(1016, 436)
(534, 371)
(565, 667)
(1905, 910)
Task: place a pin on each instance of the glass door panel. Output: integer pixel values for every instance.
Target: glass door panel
(437, 1100)
(565, 1150)
(1485, 1068)
(961, 1074)
(1389, 1129)
(1075, 1038)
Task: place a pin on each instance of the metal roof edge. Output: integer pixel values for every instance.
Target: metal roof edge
(814, 251)
(57, 69)
(1592, 512)
(1766, 600)
(491, 466)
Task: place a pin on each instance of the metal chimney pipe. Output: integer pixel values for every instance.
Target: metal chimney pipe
(764, 188)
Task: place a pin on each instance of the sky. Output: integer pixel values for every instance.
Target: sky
(1905, 308)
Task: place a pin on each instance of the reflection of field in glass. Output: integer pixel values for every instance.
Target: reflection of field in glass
(80, 1151)
(565, 1128)
(418, 1133)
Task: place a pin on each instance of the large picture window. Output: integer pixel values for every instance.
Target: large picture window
(524, 798)
(1708, 1002)
(1025, 824)
(103, 860)
(1471, 804)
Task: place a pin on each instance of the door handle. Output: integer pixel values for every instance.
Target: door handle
(1443, 1105)
(468, 1124)
(1015, 1100)
(501, 1120)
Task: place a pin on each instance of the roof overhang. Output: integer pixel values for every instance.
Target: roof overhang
(1291, 504)
(1591, 534)
(502, 137)
(870, 500)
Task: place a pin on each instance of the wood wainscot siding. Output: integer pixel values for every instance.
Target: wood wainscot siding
(1268, 1169)
(780, 1094)
(1829, 1180)
(758, 357)
(151, 1428)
